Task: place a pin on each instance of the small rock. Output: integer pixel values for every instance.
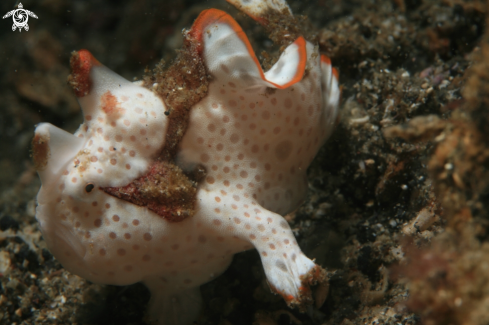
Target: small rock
(4, 262)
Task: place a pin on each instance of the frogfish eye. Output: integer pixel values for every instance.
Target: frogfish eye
(89, 188)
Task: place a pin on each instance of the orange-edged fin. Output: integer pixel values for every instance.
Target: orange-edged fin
(301, 66)
(325, 59)
(210, 17)
(205, 18)
(216, 28)
(336, 74)
(282, 74)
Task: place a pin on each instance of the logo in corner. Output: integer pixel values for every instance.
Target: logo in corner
(20, 17)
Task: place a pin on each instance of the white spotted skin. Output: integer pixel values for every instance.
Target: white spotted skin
(110, 241)
(256, 142)
(100, 237)
(119, 146)
(120, 243)
(254, 133)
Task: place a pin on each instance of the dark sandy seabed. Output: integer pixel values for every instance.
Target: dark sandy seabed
(397, 209)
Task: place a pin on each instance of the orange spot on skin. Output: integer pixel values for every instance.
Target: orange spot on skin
(110, 105)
